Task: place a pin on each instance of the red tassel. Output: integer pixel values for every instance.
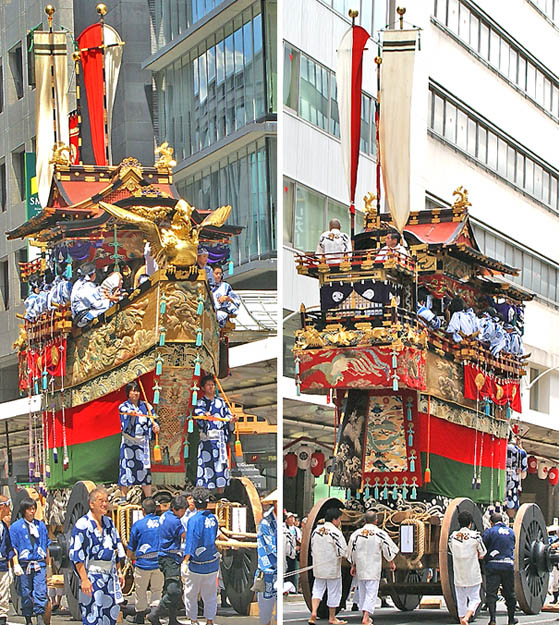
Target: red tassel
(427, 476)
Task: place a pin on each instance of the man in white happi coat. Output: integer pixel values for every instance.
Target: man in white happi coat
(366, 549)
(467, 549)
(328, 546)
(334, 244)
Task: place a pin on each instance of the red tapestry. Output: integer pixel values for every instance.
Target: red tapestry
(91, 56)
(480, 384)
(361, 368)
(32, 363)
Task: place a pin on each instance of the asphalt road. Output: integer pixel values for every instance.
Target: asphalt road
(296, 613)
(225, 616)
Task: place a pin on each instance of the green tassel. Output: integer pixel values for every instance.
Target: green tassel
(230, 268)
(198, 337)
(162, 337)
(200, 307)
(158, 367)
(156, 397)
(197, 365)
(194, 397)
(190, 425)
(186, 450)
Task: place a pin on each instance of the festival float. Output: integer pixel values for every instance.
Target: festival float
(422, 422)
(162, 332)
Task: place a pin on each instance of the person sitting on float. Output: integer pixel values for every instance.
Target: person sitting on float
(87, 301)
(226, 301)
(31, 301)
(463, 322)
(202, 262)
(60, 291)
(392, 247)
(424, 312)
(499, 342)
(515, 342)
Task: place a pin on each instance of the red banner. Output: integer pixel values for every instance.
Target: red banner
(74, 137)
(361, 368)
(480, 384)
(91, 56)
(51, 358)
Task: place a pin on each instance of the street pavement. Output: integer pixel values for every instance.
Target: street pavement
(296, 613)
(225, 616)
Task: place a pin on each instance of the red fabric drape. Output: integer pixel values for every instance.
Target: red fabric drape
(479, 385)
(74, 137)
(92, 64)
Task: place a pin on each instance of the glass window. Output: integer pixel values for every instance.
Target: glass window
(482, 154)
(364, 124)
(529, 171)
(471, 137)
(537, 188)
(291, 61)
(484, 41)
(309, 218)
(438, 117)
(554, 192)
(453, 16)
(519, 170)
(440, 10)
(464, 22)
(502, 157)
(288, 208)
(511, 164)
(522, 73)
(492, 159)
(450, 121)
(539, 90)
(531, 80)
(494, 49)
(461, 130)
(512, 65)
(546, 187)
(474, 32)
(15, 62)
(334, 126)
(313, 100)
(504, 57)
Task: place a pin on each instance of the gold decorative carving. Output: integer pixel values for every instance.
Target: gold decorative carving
(130, 164)
(181, 319)
(21, 340)
(462, 200)
(61, 154)
(165, 161)
(370, 206)
(310, 337)
(175, 243)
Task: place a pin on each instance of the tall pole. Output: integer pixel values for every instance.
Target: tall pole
(353, 15)
(102, 11)
(377, 115)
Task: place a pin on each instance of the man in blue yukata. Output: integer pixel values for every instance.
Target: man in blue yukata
(97, 551)
(170, 557)
(226, 301)
(31, 542)
(87, 301)
(216, 428)
(202, 262)
(201, 560)
(7, 558)
(143, 547)
(267, 558)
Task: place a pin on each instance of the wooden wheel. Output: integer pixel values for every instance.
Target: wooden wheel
(449, 524)
(531, 560)
(77, 506)
(408, 602)
(240, 565)
(305, 559)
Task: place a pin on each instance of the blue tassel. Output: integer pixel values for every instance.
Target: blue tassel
(45, 381)
(47, 470)
(297, 364)
(384, 493)
(197, 365)
(298, 390)
(473, 483)
(394, 361)
(162, 337)
(409, 409)
(230, 268)
(395, 492)
(190, 426)
(185, 450)
(55, 455)
(198, 342)
(159, 367)
(200, 306)
(412, 465)
(194, 397)
(36, 387)
(395, 383)
(508, 411)
(376, 491)
(162, 306)
(487, 407)
(156, 397)
(413, 492)
(410, 440)
(404, 491)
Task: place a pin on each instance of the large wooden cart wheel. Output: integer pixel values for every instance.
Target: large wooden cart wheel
(317, 513)
(531, 558)
(449, 524)
(240, 565)
(78, 505)
(407, 602)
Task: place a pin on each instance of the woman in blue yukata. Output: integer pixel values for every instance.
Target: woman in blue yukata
(267, 559)
(96, 551)
(137, 430)
(226, 301)
(215, 428)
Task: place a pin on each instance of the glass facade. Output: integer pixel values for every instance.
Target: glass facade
(310, 90)
(547, 7)
(215, 89)
(462, 127)
(502, 52)
(307, 214)
(246, 179)
(174, 17)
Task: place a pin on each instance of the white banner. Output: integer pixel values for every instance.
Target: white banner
(113, 57)
(51, 95)
(397, 70)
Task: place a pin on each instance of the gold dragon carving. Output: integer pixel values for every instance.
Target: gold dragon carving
(462, 200)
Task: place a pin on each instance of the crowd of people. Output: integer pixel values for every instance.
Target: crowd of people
(89, 300)
(174, 553)
(488, 326)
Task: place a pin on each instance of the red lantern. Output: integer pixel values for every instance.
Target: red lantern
(553, 476)
(290, 465)
(532, 464)
(317, 463)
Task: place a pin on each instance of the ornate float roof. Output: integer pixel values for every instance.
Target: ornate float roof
(74, 211)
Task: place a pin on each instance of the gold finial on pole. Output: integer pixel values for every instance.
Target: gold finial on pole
(101, 9)
(50, 11)
(353, 15)
(401, 11)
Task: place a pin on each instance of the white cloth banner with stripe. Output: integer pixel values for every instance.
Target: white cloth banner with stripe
(50, 51)
(113, 57)
(397, 71)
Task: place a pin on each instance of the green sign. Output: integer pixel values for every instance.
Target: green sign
(31, 194)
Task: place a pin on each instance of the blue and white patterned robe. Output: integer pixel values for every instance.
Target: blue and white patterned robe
(60, 292)
(267, 552)
(87, 546)
(213, 469)
(225, 309)
(87, 302)
(134, 462)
